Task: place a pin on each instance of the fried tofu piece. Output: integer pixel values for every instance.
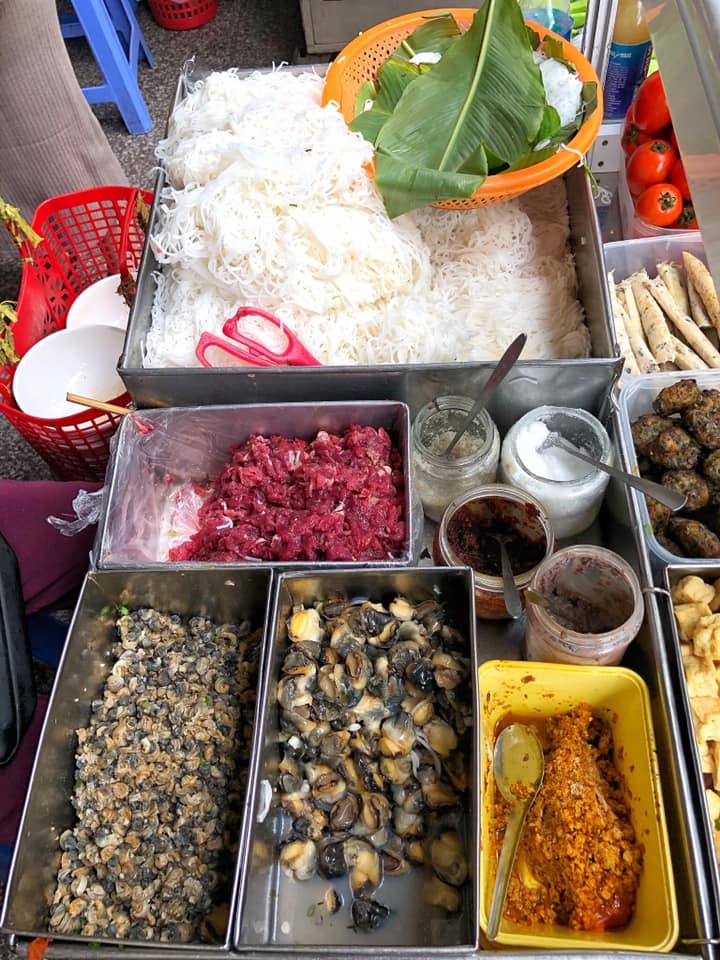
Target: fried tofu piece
(706, 764)
(701, 677)
(688, 615)
(693, 589)
(706, 637)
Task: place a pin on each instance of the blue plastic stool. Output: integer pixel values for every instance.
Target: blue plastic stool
(117, 44)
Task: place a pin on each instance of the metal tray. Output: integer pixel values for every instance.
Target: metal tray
(223, 594)
(161, 453)
(281, 913)
(671, 575)
(413, 384)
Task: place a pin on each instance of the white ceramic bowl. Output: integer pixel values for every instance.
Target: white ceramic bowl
(82, 361)
(100, 303)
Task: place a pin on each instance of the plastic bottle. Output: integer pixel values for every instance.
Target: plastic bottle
(553, 14)
(630, 52)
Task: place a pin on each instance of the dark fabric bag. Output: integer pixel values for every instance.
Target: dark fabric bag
(17, 687)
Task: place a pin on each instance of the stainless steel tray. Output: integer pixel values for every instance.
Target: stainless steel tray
(223, 594)
(159, 454)
(413, 383)
(283, 914)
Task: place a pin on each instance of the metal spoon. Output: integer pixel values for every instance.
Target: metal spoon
(670, 498)
(502, 368)
(513, 603)
(519, 767)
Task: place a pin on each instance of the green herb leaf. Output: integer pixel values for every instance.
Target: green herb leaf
(486, 91)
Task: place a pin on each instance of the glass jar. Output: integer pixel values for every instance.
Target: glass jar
(592, 607)
(472, 462)
(570, 490)
(466, 536)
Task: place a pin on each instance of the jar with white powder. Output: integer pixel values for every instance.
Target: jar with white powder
(472, 462)
(569, 489)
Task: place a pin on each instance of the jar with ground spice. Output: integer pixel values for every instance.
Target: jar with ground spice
(569, 489)
(472, 462)
(589, 607)
(469, 534)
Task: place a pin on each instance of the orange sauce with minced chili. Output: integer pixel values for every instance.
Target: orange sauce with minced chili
(579, 861)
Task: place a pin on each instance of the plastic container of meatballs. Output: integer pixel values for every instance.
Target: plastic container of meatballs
(364, 829)
(670, 431)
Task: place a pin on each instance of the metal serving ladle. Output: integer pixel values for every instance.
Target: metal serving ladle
(519, 767)
(669, 498)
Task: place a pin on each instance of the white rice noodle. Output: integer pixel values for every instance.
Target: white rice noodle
(268, 205)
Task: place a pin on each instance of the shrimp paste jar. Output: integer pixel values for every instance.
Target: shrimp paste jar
(468, 535)
(592, 607)
(570, 490)
(472, 462)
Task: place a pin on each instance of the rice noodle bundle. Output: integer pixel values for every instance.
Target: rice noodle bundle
(268, 204)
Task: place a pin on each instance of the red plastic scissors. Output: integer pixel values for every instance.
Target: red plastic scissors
(250, 349)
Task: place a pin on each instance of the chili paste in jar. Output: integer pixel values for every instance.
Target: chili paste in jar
(474, 540)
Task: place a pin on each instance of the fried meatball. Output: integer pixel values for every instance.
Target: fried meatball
(678, 396)
(674, 449)
(672, 546)
(714, 488)
(703, 425)
(691, 484)
(646, 428)
(659, 514)
(694, 537)
(711, 467)
(709, 401)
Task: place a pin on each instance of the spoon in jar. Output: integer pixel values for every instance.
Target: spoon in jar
(669, 498)
(519, 767)
(502, 368)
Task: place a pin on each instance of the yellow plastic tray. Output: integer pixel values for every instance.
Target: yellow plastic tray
(621, 698)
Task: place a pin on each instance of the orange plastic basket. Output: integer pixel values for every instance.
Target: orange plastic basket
(86, 236)
(361, 59)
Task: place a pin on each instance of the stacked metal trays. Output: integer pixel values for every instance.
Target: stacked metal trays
(586, 383)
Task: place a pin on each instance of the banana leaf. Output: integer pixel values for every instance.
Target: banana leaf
(486, 91)
(435, 36)
(393, 77)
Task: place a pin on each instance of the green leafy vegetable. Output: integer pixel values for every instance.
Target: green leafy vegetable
(439, 128)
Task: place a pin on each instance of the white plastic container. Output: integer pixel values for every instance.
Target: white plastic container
(636, 398)
(570, 491)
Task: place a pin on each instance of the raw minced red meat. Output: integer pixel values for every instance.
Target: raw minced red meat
(336, 498)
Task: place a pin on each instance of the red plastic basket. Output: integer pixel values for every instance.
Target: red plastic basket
(86, 236)
(182, 14)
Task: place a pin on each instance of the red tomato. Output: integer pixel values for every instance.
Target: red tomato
(650, 163)
(660, 205)
(687, 218)
(650, 109)
(633, 136)
(677, 176)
